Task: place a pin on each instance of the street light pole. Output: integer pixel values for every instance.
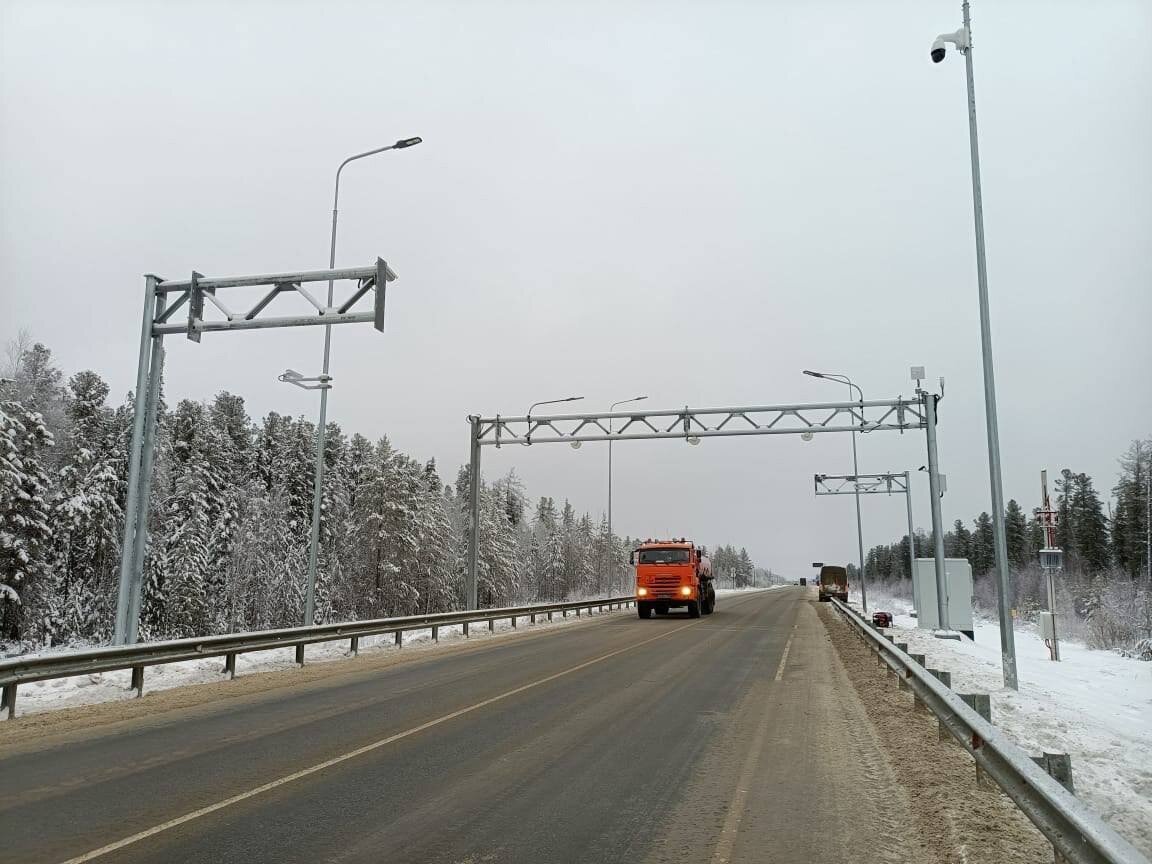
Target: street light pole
(322, 425)
(611, 536)
(844, 379)
(962, 39)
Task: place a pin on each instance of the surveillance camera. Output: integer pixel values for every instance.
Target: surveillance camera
(960, 39)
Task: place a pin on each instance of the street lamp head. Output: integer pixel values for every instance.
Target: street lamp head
(813, 374)
(407, 142)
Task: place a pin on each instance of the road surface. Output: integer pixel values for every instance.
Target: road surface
(734, 737)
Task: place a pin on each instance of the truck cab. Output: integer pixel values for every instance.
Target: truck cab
(672, 574)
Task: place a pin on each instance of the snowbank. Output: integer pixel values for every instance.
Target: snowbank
(40, 696)
(1094, 705)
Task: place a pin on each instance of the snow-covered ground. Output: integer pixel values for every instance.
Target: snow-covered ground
(1094, 705)
(40, 696)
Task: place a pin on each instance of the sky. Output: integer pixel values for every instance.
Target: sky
(688, 201)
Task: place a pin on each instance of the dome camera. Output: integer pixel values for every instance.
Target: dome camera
(959, 39)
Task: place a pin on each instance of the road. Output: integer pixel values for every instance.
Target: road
(728, 738)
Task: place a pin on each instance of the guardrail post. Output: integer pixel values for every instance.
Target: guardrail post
(354, 646)
(1059, 768)
(230, 666)
(944, 678)
(564, 612)
(549, 616)
(900, 682)
(137, 680)
(916, 700)
(981, 703)
(532, 618)
(8, 700)
(399, 638)
(491, 625)
(435, 633)
(465, 630)
(577, 611)
(300, 654)
(513, 620)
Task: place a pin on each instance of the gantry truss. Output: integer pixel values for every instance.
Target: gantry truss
(864, 484)
(897, 414)
(198, 292)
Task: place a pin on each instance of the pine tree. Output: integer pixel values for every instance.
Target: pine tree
(1016, 536)
(958, 544)
(25, 535)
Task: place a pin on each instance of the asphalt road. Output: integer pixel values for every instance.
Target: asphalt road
(727, 738)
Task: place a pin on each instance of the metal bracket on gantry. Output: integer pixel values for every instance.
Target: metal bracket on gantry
(200, 293)
(865, 484)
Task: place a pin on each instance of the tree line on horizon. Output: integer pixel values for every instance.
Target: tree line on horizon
(1103, 590)
(230, 521)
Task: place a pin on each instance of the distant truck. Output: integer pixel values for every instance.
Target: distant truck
(833, 583)
(672, 574)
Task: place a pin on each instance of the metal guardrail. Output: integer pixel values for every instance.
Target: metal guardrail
(1074, 830)
(41, 667)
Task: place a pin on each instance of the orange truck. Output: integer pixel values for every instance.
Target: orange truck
(673, 573)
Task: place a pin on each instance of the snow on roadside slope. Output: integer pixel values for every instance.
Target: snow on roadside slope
(79, 690)
(1094, 705)
(40, 696)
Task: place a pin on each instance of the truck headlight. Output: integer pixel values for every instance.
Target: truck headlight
(641, 592)
(686, 591)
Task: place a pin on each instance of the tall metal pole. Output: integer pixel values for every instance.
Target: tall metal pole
(471, 598)
(148, 451)
(611, 536)
(859, 525)
(132, 503)
(1003, 576)
(611, 542)
(911, 529)
(937, 521)
(322, 425)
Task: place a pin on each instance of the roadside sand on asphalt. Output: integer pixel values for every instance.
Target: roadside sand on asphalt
(958, 820)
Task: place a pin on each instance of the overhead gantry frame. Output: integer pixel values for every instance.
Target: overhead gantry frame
(692, 425)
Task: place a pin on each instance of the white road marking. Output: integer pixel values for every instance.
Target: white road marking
(783, 659)
(352, 754)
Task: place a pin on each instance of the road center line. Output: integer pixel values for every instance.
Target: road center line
(360, 751)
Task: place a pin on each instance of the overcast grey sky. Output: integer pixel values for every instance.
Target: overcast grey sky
(689, 200)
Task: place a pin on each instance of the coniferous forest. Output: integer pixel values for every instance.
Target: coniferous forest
(1104, 595)
(231, 516)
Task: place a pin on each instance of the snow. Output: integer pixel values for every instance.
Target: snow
(1094, 705)
(40, 696)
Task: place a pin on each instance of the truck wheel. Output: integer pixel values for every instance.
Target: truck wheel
(693, 609)
(710, 604)
(643, 610)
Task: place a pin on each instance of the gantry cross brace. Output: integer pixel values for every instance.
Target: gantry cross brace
(865, 484)
(686, 423)
(198, 293)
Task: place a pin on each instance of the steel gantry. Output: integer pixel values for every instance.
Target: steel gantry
(873, 484)
(198, 294)
(692, 425)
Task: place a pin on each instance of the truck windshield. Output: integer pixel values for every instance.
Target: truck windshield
(663, 556)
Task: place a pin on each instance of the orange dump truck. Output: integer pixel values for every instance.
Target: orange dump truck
(673, 573)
